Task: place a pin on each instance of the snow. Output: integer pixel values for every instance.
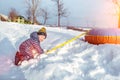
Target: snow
(78, 60)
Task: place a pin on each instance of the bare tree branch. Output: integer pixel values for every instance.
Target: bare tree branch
(45, 15)
(33, 9)
(61, 11)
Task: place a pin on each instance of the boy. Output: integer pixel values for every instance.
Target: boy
(30, 48)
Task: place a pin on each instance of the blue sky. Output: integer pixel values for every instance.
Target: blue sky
(6, 5)
(98, 13)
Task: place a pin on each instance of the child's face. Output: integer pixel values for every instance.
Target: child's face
(41, 37)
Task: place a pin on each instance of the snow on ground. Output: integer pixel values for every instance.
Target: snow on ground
(78, 60)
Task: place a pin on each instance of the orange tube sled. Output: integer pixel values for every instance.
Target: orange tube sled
(96, 39)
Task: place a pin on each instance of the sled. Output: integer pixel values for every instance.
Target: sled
(102, 39)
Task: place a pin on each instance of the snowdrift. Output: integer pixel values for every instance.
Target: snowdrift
(78, 60)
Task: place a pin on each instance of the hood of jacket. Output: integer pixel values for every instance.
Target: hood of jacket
(34, 36)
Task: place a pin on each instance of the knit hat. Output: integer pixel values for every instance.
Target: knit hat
(42, 31)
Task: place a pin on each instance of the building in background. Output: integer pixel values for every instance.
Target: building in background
(4, 17)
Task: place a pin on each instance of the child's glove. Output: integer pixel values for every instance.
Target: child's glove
(46, 51)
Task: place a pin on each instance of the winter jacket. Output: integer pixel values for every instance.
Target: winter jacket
(27, 47)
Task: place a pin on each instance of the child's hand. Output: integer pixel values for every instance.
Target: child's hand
(45, 51)
(34, 53)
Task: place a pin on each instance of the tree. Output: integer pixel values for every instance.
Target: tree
(33, 9)
(117, 3)
(44, 13)
(28, 15)
(12, 14)
(61, 11)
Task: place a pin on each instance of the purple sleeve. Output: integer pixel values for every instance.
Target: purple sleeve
(37, 46)
(41, 50)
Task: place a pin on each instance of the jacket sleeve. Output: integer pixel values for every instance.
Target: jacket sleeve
(41, 50)
(38, 47)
